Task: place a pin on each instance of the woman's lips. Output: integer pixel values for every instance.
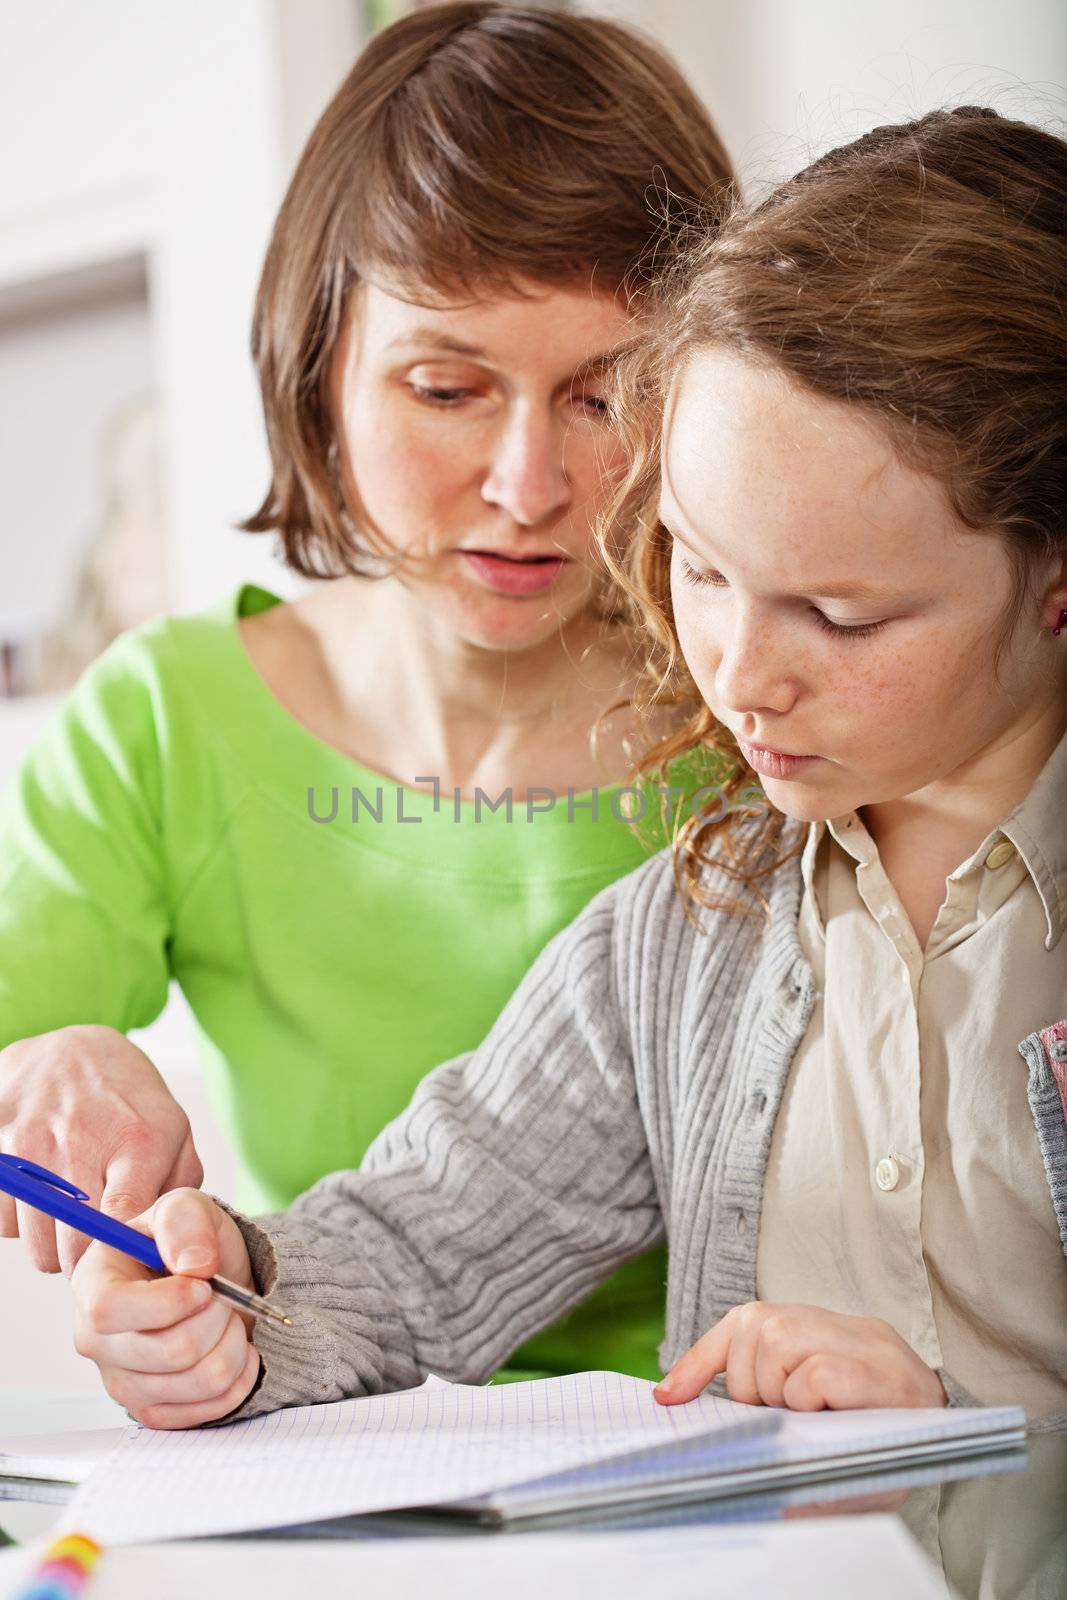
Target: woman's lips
(514, 575)
(771, 763)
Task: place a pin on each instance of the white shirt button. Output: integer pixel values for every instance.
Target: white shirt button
(1000, 854)
(887, 1174)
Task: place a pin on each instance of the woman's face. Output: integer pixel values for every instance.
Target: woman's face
(473, 440)
(829, 603)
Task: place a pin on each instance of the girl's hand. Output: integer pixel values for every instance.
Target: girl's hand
(170, 1351)
(805, 1358)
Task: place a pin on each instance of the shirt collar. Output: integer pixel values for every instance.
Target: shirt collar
(1038, 830)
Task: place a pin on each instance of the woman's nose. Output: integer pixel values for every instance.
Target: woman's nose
(527, 475)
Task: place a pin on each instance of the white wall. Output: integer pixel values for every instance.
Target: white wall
(170, 129)
(64, 375)
(788, 79)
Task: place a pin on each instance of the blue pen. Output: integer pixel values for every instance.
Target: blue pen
(43, 1190)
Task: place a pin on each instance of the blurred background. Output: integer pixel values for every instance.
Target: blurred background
(146, 148)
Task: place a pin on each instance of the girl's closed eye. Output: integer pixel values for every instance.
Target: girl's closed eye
(700, 580)
(846, 630)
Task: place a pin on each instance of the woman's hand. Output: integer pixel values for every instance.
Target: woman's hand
(87, 1104)
(170, 1351)
(805, 1358)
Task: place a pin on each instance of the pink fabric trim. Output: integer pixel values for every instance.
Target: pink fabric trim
(1056, 1032)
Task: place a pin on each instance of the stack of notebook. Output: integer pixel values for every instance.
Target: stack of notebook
(498, 1454)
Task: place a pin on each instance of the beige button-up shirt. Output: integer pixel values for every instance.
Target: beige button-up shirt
(915, 1191)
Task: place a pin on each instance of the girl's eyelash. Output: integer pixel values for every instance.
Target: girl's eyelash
(699, 580)
(853, 630)
(856, 630)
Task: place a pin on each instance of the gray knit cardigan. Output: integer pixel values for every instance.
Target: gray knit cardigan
(626, 1095)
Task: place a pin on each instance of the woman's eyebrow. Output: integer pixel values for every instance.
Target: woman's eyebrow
(591, 366)
(437, 341)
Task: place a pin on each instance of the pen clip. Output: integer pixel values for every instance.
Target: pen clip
(51, 1178)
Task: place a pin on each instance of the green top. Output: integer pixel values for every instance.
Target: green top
(164, 826)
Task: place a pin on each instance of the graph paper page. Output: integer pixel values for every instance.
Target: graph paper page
(428, 1446)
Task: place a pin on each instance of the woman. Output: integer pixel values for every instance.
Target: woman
(346, 825)
(844, 1102)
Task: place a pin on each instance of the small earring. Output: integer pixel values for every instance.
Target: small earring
(1058, 629)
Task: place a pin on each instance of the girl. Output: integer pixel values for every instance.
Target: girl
(843, 1102)
(347, 825)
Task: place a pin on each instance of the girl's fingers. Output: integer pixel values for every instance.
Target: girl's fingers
(774, 1359)
(804, 1357)
(741, 1381)
(171, 1349)
(835, 1382)
(703, 1361)
(212, 1375)
(184, 1226)
(757, 1346)
(195, 1415)
(112, 1303)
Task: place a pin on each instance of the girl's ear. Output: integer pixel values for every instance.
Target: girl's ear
(1056, 594)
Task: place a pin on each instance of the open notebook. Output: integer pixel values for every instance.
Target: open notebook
(512, 1451)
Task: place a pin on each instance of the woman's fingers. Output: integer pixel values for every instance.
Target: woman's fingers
(187, 1171)
(88, 1104)
(39, 1233)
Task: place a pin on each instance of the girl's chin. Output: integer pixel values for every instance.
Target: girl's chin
(802, 801)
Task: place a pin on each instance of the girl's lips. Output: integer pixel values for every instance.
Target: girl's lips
(505, 575)
(771, 764)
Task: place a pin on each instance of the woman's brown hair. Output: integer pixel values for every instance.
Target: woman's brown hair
(919, 274)
(474, 147)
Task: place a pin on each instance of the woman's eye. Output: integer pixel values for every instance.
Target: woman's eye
(847, 630)
(594, 404)
(439, 397)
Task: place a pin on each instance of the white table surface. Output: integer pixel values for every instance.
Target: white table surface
(24, 1411)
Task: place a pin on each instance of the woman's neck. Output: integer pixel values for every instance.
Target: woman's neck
(924, 836)
(368, 669)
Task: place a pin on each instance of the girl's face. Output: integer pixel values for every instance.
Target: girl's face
(473, 440)
(829, 603)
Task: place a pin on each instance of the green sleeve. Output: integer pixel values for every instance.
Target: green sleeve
(84, 917)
